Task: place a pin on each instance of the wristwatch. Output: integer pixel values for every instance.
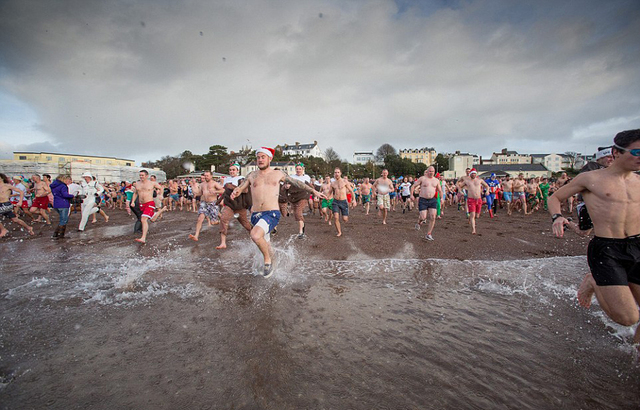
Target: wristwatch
(555, 216)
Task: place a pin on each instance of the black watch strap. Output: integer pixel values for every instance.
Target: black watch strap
(555, 216)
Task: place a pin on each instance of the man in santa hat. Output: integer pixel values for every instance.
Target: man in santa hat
(265, 211)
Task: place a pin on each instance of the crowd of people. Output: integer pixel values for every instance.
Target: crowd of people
(607, 189)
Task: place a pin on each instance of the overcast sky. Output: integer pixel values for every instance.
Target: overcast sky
(143, 79)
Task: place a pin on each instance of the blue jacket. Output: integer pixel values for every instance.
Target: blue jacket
(61, 195)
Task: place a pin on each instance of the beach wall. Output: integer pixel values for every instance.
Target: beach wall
(103, 173)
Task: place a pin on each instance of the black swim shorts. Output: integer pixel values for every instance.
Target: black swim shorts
(424, 203)
(340, 206)
(615, 261)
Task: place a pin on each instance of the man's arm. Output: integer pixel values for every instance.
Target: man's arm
(219, 189)
(301, 185)
(242, 187)
(19, 191)
(579, 184)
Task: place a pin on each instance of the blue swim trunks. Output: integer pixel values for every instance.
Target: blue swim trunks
(267, 220)
(507, 196)
(340, 206)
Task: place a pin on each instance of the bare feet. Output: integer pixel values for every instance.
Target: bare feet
(586, 291)
(221, 246)
(29, 229)
(106, 218)
(94, 221)
(339, 234)
(140, 240)
(195, 238)
(4, 232)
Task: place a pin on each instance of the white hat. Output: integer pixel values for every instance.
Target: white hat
(87, 174)
(604, 153)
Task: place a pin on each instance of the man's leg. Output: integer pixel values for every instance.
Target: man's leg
(620, 303)
(472, 219)
(336, 220)
(384, 215)
(431, 220)
(257, 236)
(3, 231)
(145, 229)
(23, 224)
(198, 228)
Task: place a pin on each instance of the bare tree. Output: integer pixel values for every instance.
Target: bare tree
(572, 157)
(331, 155)
(384, 151)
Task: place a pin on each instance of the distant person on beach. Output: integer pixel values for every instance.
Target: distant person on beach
(365, 195)
(327, 203)
(507, 192)
(233, 207)
(144, 189)
(519, 195)
(6, 207)
(90, 191)
(474, 186)
(299, 198)
(208, 191)
(61, 203)
(339, 190)
(265, 187)
(612, 195)
(41, 201)
(382, 190)
(428, 200)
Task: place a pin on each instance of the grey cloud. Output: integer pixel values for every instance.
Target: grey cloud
(467, 75)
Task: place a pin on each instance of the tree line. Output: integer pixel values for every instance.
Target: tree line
(219, 157)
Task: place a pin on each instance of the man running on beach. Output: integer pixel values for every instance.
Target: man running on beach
(382, 189)
(327, 203)
(339, 190)
(507, 192)
(265, 188)
(427, 201)
(474, 187)
(208, 191)
(233, 207)
(519, 185)
(41, 201)
(299, 198)
(144, 192)
(6, 207)
(612, 195)
(365, 194)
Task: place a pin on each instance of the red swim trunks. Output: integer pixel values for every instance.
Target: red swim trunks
(148, 209)
(349, 197)
(475, 205)
(41, 202)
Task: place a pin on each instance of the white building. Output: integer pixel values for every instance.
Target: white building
(303, 150)
(460, 161)
(362, 157)
(509, 157)
(103, 173)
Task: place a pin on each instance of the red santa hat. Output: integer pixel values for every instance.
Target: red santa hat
(473, 171)
(267, 151)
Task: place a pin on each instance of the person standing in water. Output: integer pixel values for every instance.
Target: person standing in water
(428, 200)
(265, 211)
(612, 195)
(299, 198)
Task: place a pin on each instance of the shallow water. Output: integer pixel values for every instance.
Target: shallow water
(181, 328)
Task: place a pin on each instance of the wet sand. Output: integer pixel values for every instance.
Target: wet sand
(99, 321)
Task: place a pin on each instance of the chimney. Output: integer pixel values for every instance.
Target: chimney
(315, 142)
(297, 143)
(504, 151)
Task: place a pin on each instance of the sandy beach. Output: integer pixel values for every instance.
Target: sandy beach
(378, 318)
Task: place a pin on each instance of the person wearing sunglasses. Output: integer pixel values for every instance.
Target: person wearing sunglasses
(612, 195)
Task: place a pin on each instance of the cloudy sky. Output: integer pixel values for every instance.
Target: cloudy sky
(143, 79)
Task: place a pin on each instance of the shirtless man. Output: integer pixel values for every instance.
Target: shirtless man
(382, 189)
(474, 187)
(460, 185)
(144, 190)
(562, 181)
(174, 196)
(519, 185)
(209, 191)
(533, 194)
(41, 201)
(339, 189)
(365, 194)
(265, 189)
(327, 203)
(6, 207)
(612, 195)
(507, 192)
(299, 198)
(427, 201)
